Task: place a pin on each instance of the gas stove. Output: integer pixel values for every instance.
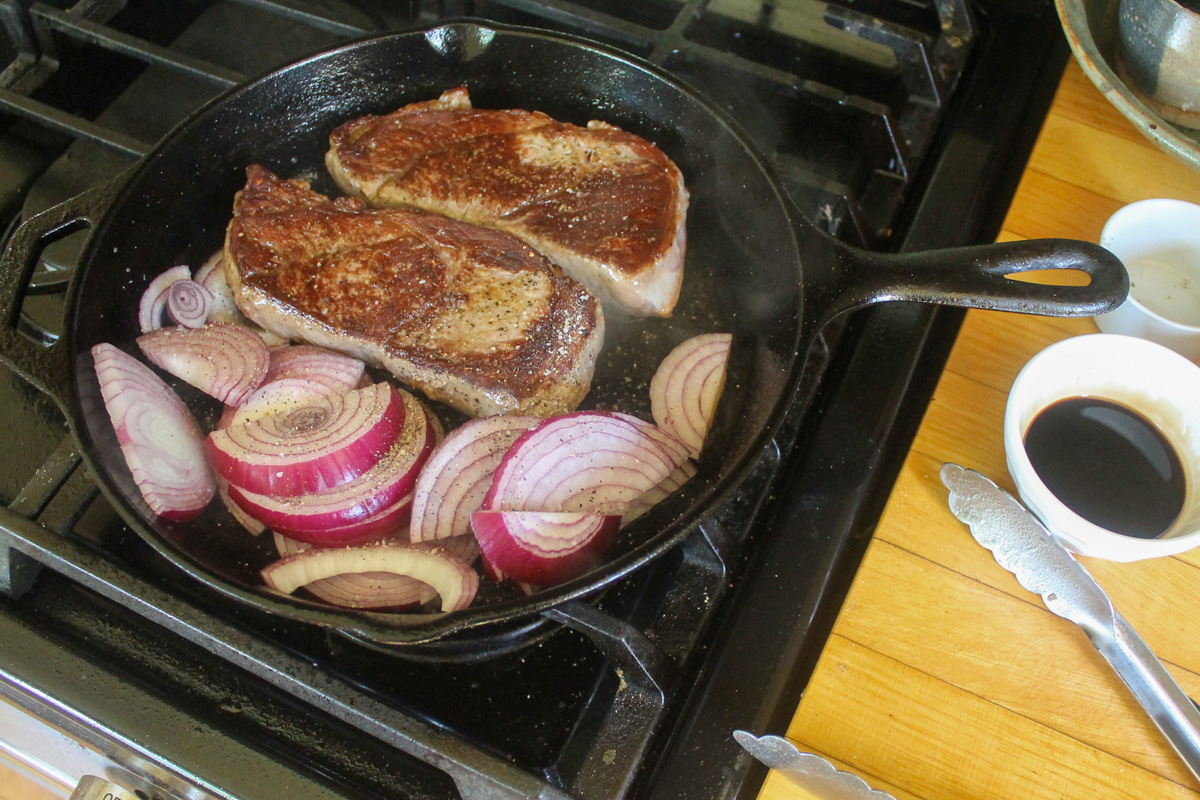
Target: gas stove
(894, 124)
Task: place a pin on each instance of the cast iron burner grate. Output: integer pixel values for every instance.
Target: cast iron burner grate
(631, 693)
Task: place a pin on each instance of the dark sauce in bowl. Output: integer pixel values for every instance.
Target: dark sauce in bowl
(1108, 464)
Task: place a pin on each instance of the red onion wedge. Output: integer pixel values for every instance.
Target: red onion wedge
(225, 361)
(388, 522)
(312, 448)
(154, 298)
(651, 497)
(159, 437)
(586, 461)
(457, 476)
(317, 364)
(543, 547)
(378, 590)
(687, 385)
(676, 450)
(374, 504)
(453, 580)
(280, 397)
(188, 304)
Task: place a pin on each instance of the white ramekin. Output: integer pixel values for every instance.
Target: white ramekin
(1158, 383)
(1168, 232)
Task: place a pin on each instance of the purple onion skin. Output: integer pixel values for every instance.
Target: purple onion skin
(514, 550)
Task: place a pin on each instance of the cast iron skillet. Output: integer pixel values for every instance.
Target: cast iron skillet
(755, 267)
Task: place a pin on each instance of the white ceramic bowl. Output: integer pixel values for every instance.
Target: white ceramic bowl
(1158, 241)
(1153, 381)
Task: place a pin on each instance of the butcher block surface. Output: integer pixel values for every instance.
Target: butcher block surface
(943, 678)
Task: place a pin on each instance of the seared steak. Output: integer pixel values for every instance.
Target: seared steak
(605, 205)
(468, 315)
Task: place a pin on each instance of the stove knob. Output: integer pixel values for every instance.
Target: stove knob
(92, 788)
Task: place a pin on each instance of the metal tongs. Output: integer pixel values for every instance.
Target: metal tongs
(808, 770)
(1023, 546)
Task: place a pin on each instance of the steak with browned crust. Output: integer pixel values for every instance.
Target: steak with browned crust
(467, 315)
(605, 205)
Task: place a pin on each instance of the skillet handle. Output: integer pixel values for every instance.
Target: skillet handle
(45, 366)
(977, 277)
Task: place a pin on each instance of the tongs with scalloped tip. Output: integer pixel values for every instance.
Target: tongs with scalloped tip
(1023, 546)
(808, 770)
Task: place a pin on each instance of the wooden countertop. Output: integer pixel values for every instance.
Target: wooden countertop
(943, 678)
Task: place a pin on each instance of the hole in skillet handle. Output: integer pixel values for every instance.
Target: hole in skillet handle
(46, 366)
(1053, 277)
(999, 277)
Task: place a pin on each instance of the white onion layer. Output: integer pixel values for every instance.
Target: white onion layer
(657, 493)
(316, 364)
(282, 396)
(453, 580)
(687, 385)
(586, 461)
(541, 547)
(252, 526)
(377, 590)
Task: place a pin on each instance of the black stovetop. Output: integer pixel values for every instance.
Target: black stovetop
(896, 124)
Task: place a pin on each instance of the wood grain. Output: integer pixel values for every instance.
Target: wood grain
(943, 678)
(16, 785)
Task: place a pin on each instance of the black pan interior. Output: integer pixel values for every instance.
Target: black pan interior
(742, 269)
